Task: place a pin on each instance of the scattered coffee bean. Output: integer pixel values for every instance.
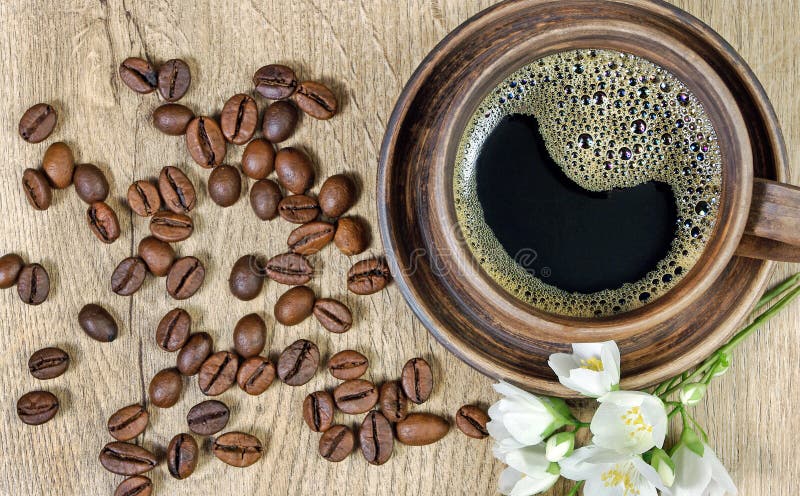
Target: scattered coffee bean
(417, 380)
(58, 164)
(318, 408)
(129, 276)
(368, 276)
(250, 335)
(298, 209)
(280, 120)
(224, 185)
(355, 396)
(218, 373)
(143, 198)
(316, 100)
(311, 237)
(33, 284)
(205, 142)
(289, 268)
(174, 78)
(352, 236)
(337, 195)
(138, 485)
(295, 305)
(128, 422)
(255, 375)
(182, 455)
(472, 420)
(37, 189)
(138, 75)
(247, 277)
(333, 315)
(165, 388)
(176, 189)
(419, 429)
(48, 363)
(239, 119)
(298, 362)
(275, 81)
(11, 265)
(157, 255)
(348, 364)
(37, 123)
(265, 195)
(376, 438)
(97, 323)
(103, 222)
(191, 357)
(295, 170)
(208, 417)
(237, 449)
(171, 227)
(393, 401)
(172, 119)
(173, 330)
(185, 277)
(90, 183)
(337, 443)
(127, 459)
(258, 159)
(37, 407)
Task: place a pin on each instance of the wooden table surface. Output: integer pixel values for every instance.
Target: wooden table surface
(67, 52)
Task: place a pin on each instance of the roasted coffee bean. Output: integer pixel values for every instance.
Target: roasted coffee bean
(173, 330)
(138, 485)
(191, 357)
(310, 238)
(316, 100)
(472, 420)
(318, 408)
(275, 81)
(176, 189)
(298, 209)
(237, 449)
(138, 75)
(205, 142)
(289, 268)
(58, 164)
(333, 315)
(348, 364)
(129, 276)
(417, 380)
(247, 277)
(165, 388)
(265, 195)
(128, 422)
(336, 195)
(239, 119)
(225, 185)
(250, 335)
(33, 284)
(37, 123)
(368, 276)
(352, 236)
(174, 78)
(48, 363)
(393, 401)
(182, 455)
(157, 255)
(172, 119)
(298, 362)
(337, 443)
(97, 323)
(37, 189)
(171, 227)
(208, 417)
(90, 183)
(103, 222)
(143, 198)
(280, 120)
(127, 459)
(255, 375)
(376, 438)
(37, 407)
(295, 170)
(218, 373)
(355, 396)
(419, 429)
(258, 159)
(185, 277)
(295, 305)
(11, 265)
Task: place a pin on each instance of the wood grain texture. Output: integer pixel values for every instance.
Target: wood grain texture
(66, 53)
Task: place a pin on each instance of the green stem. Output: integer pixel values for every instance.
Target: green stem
(673, 412)
(575, 489)
(691, 377)
(580, 424)
(777, 291)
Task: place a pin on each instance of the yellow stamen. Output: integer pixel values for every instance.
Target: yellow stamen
(635, 420)
(620, 475)
(592, 364)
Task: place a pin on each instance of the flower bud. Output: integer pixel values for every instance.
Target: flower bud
(723, 365)
(663, 464)
(691, 440)
(560, 446)
(692, 393)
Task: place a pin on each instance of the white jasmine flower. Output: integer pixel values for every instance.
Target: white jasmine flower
(629, 422)
(592, 369)
(529, 472)
(560, 446)
(700, 475)
(611, 473)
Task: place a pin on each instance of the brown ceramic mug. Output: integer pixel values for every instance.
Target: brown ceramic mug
(758, 218)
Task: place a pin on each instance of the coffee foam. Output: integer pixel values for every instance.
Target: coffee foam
(609, 120)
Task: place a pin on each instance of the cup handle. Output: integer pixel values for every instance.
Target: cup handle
(773, 225)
